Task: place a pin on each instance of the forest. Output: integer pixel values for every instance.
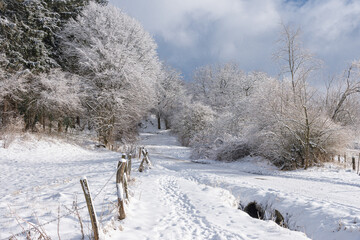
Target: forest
(88, 66)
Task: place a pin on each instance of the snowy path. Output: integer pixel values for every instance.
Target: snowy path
(173, 204)
(201, 199)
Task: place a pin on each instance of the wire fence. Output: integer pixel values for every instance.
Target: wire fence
(70, 212)
(122, 173)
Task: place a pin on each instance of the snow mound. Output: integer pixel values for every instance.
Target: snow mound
(30, 147)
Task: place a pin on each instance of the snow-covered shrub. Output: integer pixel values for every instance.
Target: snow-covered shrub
(233, 151)
(237, 91)
(9, 132)
(191, 120)
(292, 129)
(292, 133)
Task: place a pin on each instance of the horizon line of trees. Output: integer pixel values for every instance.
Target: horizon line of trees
(228, 114)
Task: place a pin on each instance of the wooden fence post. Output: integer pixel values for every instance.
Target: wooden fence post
(339, 158)
(358, 164)
(119, 187)
(129, 166)
(353, 163)
(345, 158)
(92, 213)
(141, 167)
(144, 160)
(140, 150)
(123, 159)
(124, 176)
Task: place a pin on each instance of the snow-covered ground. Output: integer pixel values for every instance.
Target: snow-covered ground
(177, 198)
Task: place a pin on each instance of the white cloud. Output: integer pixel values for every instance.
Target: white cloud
(207, 31)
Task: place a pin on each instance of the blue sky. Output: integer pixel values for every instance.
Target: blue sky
(193, 33)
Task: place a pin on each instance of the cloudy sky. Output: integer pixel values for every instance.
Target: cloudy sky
(193, 33)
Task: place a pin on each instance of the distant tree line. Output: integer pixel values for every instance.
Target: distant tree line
(229, 114)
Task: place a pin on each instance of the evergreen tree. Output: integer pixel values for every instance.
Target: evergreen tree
(28, 31)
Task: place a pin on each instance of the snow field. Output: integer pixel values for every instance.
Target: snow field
(39, 175)
(177, 198)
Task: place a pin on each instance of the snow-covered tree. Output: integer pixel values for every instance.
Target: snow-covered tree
(28, 31)
(59, 99)
(171, 95)
(233, 123)
(52, 96)
(11, 88)
(118, 62)
(220, 86)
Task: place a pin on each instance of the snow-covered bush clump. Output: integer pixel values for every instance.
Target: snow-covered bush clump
(192, 120)
(230, 93)
(292, 129)
(292, 133)
(286, 120)
(233, 151)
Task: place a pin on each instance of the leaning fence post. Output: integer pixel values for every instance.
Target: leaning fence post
(141, 167)
(119, 187)
(92, 213)
(147, 157)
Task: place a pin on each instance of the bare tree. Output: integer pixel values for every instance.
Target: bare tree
(300, 124)
(352, 85)
(295, 60)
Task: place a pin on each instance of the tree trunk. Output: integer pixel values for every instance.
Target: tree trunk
(159, 121)
(353, 163)
(4, 113)
(307, 139)
(30, 120)
(50, 125)
(59, 126)
(43, 121)
(167, 126)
